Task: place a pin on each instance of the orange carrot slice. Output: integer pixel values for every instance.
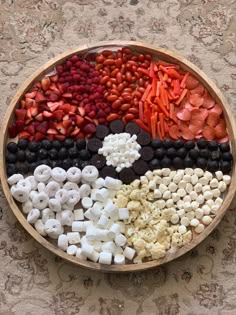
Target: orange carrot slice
(196, 100)
(208, 102)
(208, 133)
(184, 115)
(191, 82)
(212, 119)
(174, 132)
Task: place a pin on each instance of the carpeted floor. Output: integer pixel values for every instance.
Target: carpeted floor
(35, 282)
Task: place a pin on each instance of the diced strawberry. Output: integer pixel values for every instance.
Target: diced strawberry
(20, 124)
(67, 95)
(81, 111)
(39, 117)
(28, 120)
(81, 135)
(69, 130)
(60, 88)
(75, 132)
(53, 97)
(58, 114)
(12, 131)
(43, 127)
(54, 78)
(60, 128)
(50, 137)
(65, 108)
(29, 102)
(22, 104)
(60, 137)
(54, 88)
(20, 113)
(67, 123)
(47, 114)
(23, 135)
(31, 94)
(39, 136)
(73, 109)
(30, 129)
(33, 111)
(45, 83)
(79, 120)
(66, 117)
(52, 131)
(37, 85)
(31, 138)
(40, 97)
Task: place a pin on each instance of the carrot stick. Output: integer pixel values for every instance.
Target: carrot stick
(173, 74)
(142, 125)
(140, 109)
(153, 126)
(162, 107)
(146, 92)
(165, 78)
(151, 71)
(162, 68)
(164, 96)
(171, 110)
(183, 82)
(184, 92)
(154, 86)
(162, 124)
(176, 87)
(158, 88)
(159, 130)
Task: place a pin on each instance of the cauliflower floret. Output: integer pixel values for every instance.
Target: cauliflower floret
(142, 220)
(187, 237)
(176, 240)
(139, 244)
(150, 196)
(150, 235)
(160, 229)
(135, 194)
(166, 214)
(135, 184)
(121, 201)
(134, 205)
(156, 213)
(156, 250)
(130, 230)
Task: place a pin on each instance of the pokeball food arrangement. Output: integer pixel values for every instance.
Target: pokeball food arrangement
(119, 157)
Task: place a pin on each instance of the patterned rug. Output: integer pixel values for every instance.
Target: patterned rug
(34, 281)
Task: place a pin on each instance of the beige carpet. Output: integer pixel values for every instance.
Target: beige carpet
(35, 282)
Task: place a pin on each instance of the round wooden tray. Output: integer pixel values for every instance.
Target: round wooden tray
(165, 55)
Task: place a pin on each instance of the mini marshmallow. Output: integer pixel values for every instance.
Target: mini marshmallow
(226, 179)
(87, 250)
(129, 252)
(42, 173)
(194, 179)
(206, 220)
(86, 202)
(98, 246)
(95, 212)
(114, 230)
(105, 258)
(119, 259)
(219, 175)
(194, 222)
(89, 215)
(103, 221)
(99, 183)
(12, 180)
(222, 186)
(71, 250)
(39, 227)
(62, 195)
(200, 228)
(112, 183)
(182, 229)
(123, 213)
(62, 242)
(78, 214)
(120, 240)
(102, 194)
(73, 237)
(84, 190)
(53, 228)
(109, 247)
(33, 216)
(77, 226)
(80, 255)
(214, 183)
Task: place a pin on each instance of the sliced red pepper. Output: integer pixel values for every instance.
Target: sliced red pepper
(183, 82)
(176, 86)
(162, 124)
(159, 130)
(154, 87)
(151, 71)
(153, 126)
(142, 125)
(173, 74)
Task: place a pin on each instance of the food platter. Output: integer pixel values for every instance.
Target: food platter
(176, 117)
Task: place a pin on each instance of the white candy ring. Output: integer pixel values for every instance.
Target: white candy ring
(20, 194)
(25, 184)
(62, 195)
(54, 205)
(84, 190)
(52, 187)
(67, 217)
(33, 216)
(53, 228)
(74, 174)
(89, 173)
(33, 181)
(39, 227)
(40, 201)
(74, 197)
(14, 179)
(41, 187)
(70, 186)
(42, 173)
(27, 207)
(46, 214)
(58, 174)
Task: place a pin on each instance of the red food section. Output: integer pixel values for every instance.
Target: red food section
(160, 97)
